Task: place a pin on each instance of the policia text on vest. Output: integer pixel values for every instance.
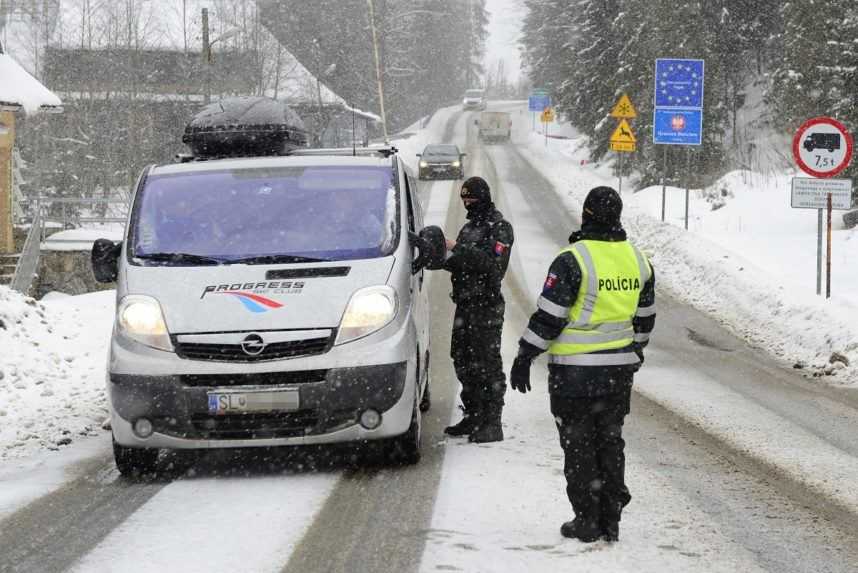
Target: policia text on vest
(620, 283)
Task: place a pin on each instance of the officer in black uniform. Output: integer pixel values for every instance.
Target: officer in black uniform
(589, 381)
(477, 262)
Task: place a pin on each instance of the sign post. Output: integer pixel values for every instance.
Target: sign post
(623, 139)
(822, 147)
(546, 117)
(537, 101)
(678, 111)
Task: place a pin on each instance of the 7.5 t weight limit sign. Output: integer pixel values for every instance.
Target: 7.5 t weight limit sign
(822, 147)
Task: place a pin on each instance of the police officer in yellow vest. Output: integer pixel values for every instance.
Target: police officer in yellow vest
(594, 319)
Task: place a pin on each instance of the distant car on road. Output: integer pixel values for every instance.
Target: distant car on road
(474, 100)
(441, 162)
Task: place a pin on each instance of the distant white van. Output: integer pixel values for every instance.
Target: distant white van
(494, 126)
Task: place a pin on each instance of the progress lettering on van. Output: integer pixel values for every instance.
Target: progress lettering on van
(262, 287)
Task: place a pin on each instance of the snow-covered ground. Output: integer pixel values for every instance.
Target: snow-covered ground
(51, 369)
(751, 263)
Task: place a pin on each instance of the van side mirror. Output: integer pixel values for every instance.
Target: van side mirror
(104, 258)
(431, 248)
(419, 155)
(462, 154)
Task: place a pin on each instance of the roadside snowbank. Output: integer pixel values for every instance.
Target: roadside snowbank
(51, 369)
(751, 263)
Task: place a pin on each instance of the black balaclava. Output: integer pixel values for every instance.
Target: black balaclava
(477, 188)
(601, 214)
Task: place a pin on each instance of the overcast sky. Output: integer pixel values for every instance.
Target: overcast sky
(504, 28)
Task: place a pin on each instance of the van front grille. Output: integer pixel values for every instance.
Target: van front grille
(235, 352)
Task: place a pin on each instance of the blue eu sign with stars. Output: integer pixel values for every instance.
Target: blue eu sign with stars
(678, 117)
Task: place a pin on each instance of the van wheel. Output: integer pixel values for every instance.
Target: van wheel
(426, 401)
(406, 448)
(134, 462)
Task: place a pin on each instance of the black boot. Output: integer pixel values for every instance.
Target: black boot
(489, 426)
(581, 528)
(468, 423)
(610, 530)
(611, 511)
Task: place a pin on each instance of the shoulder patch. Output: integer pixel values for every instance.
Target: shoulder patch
(550, 281)
(500, 248)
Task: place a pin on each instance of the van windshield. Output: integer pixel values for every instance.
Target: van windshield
(265, 215)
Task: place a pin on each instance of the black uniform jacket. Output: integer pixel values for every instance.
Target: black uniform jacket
(561, 289)
(479, 261)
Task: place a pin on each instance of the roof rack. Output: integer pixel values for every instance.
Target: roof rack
(383, 151)
(380, 151)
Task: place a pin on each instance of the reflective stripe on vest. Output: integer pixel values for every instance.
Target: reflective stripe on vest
(612, 277)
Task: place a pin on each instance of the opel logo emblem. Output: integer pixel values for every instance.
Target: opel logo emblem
(253, 345)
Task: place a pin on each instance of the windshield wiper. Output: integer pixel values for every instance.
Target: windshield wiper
(274, 259)
(180, 258)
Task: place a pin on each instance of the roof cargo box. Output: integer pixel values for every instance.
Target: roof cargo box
(244, 127)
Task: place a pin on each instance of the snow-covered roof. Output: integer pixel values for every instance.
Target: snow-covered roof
(20, 90)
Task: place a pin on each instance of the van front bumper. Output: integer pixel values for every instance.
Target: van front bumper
(328, 409)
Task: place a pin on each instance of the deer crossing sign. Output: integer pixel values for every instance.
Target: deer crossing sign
(623, 138)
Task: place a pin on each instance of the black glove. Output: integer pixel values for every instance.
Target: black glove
(639, 351)
(519, 376)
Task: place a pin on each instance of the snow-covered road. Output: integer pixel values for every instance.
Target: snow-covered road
(735, 463)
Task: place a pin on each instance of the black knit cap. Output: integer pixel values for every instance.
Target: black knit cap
(476, 188)
(602, 206)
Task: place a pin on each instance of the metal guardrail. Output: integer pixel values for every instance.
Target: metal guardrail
(28, 262)
(39, 217)
(69, 217)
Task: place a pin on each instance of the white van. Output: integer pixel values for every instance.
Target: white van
(494, 126)
(268, 301)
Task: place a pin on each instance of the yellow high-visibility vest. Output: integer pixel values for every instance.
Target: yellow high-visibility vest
(612, 277)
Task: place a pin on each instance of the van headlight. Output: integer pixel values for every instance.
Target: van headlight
(369, 310)
(424, 164)
(457, 164)
(140, 318)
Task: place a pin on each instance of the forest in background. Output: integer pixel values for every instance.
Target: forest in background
(801, 56)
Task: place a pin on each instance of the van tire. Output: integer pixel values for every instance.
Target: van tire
(135, 462)
(426, 401)
(406, 448)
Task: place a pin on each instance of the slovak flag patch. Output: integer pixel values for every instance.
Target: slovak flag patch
(500, 248)
(550, 281)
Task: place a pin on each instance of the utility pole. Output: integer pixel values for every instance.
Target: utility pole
(378, 70)
(207, 57)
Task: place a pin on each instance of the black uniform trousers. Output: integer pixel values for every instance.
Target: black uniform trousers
(476, 352)
(591, 435)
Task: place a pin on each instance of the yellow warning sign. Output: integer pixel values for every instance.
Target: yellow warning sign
(623, 139)
(624, 109)
(547, 115)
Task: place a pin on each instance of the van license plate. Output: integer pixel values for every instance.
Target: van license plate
(262, 401)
